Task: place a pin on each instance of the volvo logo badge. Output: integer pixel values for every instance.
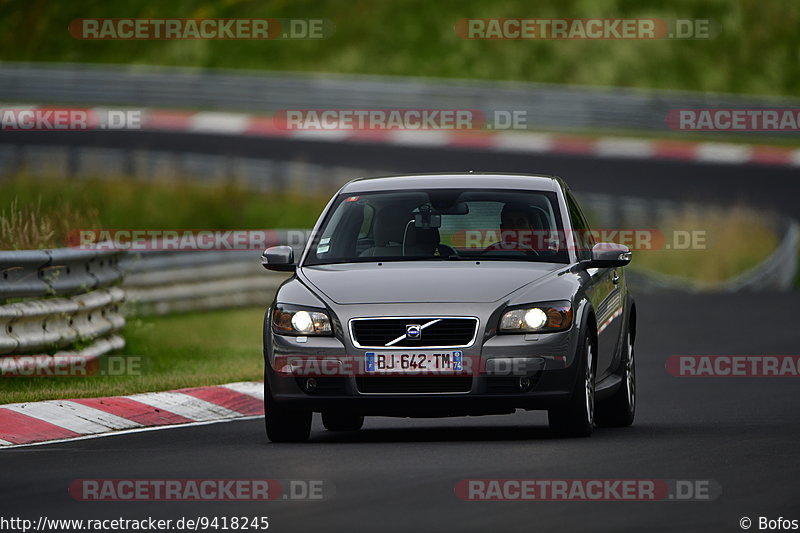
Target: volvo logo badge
(413, 331)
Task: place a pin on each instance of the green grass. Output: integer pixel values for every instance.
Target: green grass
(756, 52)
(178, 351)
(57, 204)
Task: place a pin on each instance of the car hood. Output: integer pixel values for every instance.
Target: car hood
(434, 282)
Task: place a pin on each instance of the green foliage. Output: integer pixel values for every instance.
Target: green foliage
(757, 50)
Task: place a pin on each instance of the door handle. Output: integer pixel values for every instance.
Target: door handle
(615, 278)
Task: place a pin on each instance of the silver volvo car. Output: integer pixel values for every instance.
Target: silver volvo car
(450, 295)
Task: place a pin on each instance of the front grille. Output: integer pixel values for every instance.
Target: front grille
(446, 333)
(412, 385)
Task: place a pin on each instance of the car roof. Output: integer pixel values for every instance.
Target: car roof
(471, 180)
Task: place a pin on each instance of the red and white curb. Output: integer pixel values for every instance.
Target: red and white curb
(59, 420)
(516, 142)
(507, 141)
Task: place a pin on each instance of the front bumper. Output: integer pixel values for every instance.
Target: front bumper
(506, 372)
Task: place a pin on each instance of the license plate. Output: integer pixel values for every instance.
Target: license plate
(379, 363)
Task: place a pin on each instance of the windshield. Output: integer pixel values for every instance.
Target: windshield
(441, 224)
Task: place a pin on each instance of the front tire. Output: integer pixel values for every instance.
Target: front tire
(619, 410)
(283, 424)
(576, 419)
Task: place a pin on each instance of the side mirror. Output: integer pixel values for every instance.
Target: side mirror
(608, 255)
(278, 258)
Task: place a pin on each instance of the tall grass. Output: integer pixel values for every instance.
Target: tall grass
(28, 226)
(38, 212)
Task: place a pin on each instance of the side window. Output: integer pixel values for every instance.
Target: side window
(341, 235)
(369, 213)
(581, 237)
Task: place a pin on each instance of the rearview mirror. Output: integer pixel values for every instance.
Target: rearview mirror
(427, 220)
(278, 258)
(608, 255)
(458, 208)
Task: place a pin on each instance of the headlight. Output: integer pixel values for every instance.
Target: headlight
(544, 318)
(296, 321)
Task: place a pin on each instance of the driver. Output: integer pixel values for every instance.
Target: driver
(516, 229)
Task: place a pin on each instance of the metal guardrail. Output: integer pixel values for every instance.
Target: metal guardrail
(563, 107)
(158, 283)
(41, 326)
(75, 303)
(67, 301)
(62, 271)
(140, 262)
(251, 290)
(162, 282)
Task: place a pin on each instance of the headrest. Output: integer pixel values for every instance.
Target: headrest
(423, 239)
(390, 224)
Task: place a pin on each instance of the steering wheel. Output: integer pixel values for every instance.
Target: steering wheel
(445, 250)
(498, 246)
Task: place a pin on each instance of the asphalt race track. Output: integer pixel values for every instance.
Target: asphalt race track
(399, 475)
(770, 187)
